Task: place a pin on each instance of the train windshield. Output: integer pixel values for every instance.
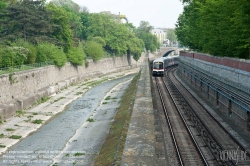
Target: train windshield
(158, 65)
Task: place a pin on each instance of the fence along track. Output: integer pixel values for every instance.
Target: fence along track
(190, 153)
(229, 140)
(219, 138)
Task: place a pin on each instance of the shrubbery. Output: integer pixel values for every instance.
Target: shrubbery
(12, 56)
(76, 55)
(94, 50)
(48, 51)
(31, 54)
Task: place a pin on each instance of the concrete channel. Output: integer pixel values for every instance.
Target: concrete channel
(71, 132)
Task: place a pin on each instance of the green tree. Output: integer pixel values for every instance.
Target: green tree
(3, 4)
(150, 41)
(171, 36)
(47, 51)
(12, 56)
(76, 55)
(27, 20)
(61, 31)
(67, 3)
(135, 47)
(6, 57)
(219, 27)
(31, 53)
(94, 50)
(99, 40)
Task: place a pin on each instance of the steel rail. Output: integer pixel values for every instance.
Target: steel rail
(186, 125)
(203, 123)
(170, 126)
(231, 135)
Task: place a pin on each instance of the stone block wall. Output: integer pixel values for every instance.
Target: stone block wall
(20, 90)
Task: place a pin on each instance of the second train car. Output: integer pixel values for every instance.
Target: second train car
(160, 64)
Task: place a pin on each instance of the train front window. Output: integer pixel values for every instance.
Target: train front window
(158, 65)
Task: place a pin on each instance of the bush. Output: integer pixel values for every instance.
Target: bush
(76, 55)
(48, 51)
(99, 40)
(6, 57)
(94, 50)
(31, 54)
(12, 56)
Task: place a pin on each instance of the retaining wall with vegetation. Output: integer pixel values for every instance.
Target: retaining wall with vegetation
(20, 90)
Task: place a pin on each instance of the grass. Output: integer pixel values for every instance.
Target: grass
(35, 113)
(108, 98)
(2, 146)
(42, 100)
(105, 103)
(2, 135)
(112, 149)
(10, 129)
(58, 99)
(19, 113)
(79, 93)
(37, 121)
(79, 154)
(90, 120)
(15, 137)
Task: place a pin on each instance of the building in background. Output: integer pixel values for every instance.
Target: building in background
(162, 36)
(160, 33)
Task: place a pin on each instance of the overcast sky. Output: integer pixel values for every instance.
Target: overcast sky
(159, 13)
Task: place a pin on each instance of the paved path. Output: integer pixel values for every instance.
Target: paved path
(140, 143)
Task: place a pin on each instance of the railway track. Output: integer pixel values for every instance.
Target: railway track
(217, 138)
(208, 140)
(187, 149)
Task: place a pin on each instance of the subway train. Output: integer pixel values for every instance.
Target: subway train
(160, 64)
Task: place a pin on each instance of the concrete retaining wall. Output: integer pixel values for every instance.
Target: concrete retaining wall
(20, 90)
(236, 78)
(190, 69)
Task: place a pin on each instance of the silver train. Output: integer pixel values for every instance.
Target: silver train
(160, 64)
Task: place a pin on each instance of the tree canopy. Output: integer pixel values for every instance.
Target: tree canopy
(143, 32)
(220, 28)
(62, 30)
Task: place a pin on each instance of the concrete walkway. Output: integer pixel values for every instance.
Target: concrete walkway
(140, 143)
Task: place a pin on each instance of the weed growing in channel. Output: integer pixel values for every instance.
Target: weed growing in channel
(79, 93)
(9, 129)
(15, 137)
(2, 146)
(79, 154)
(90, 120)
(2, 135)
(37, 121)
(19, 113)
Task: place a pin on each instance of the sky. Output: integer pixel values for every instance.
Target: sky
(159, 13)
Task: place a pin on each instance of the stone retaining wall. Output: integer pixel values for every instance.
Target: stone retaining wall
(20, 90)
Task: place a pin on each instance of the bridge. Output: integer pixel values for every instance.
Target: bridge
(165, 51)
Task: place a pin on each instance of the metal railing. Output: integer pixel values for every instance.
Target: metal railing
(12, 69)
